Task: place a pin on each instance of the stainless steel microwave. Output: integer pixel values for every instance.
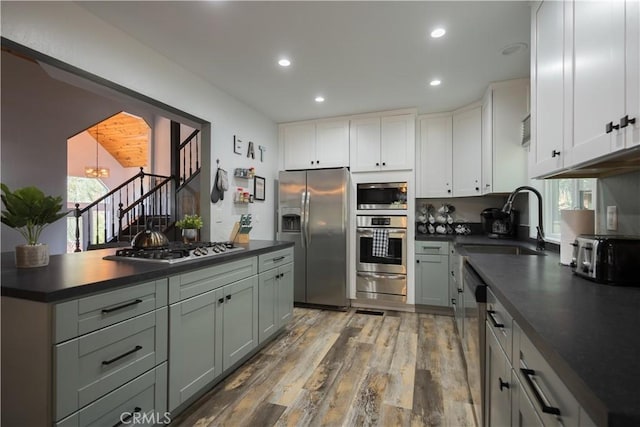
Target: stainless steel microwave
(389, 195)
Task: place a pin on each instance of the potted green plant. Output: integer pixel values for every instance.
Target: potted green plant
(29, 211)
(190, 225)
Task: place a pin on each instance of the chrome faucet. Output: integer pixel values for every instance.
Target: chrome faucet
(540, 244)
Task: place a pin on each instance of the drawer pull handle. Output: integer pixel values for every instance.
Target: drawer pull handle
(228, 297)
(220, 300)
(624, 122)
(503, 384)
(128, 417)
(115, 359)
(537, 392)
(493, 319)
(610, 127)
(280, 258)
(120, 307)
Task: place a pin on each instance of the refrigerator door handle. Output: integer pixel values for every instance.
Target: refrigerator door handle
(306, 219)
(303, 220)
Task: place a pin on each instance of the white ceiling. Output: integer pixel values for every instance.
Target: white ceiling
(361, 56)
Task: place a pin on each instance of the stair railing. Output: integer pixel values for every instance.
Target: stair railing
(189, 158)
(153, 206)
(103, 222)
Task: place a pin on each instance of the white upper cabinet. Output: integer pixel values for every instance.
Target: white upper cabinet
(598, 79)
(504, 160)
(332, 143)
(316, 144)
(467, 151)
(434, 164)
(384, 143)
(632, 62)
(547, 79)
(365, 144)
(398, 141)
(585, 76)
(299, 144)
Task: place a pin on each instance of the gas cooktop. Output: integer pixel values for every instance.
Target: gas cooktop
(174, 253)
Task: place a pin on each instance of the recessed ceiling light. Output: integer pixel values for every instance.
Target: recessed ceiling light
(513, 48)
(435, 82)
(438, 32)
(284, 62)
(319, 99)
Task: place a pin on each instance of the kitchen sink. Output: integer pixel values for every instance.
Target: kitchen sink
(500, 249)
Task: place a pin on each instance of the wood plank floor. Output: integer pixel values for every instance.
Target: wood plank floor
(346, 369)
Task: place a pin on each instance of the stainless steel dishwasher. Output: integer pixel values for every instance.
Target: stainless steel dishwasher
(473, 338)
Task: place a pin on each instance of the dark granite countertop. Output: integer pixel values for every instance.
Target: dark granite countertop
(74, 275)
(586, 331)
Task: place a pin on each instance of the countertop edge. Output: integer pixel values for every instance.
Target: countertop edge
(161, 270)
(587, 399)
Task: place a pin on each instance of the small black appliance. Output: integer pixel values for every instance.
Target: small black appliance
(498, 224)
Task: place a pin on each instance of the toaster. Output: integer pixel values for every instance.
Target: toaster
(613, 260)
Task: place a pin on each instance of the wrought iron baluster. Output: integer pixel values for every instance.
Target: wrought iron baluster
(184, 165)
(190, 159)
(97, 211)
(77, 215)
(113, 218)
(104, 208)
(197, 153)
(120, 222)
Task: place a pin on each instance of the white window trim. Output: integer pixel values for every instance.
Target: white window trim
(547, 196)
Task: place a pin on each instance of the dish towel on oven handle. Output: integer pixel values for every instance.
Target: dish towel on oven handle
(380, 243)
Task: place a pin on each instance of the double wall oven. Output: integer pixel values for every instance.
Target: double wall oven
(381, 257)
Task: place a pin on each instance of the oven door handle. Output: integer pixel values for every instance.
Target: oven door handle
(381, 276)
(393, 232)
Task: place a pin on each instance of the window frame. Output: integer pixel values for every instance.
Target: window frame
(551, 194)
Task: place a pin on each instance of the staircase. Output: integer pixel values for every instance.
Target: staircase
(144, 200)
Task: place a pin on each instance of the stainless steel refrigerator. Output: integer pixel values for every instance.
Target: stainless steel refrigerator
(312, 213)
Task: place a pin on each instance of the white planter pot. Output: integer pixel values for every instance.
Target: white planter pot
(28, 256)
(189, 235)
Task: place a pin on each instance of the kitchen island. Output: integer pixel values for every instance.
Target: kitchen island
(89, 341)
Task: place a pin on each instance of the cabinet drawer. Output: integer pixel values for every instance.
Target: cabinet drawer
(274, 259)
(143, 400)
(500, 322)
(432, 248)
(543, 386)
(93, 365)
(84, 315)
(196, 282)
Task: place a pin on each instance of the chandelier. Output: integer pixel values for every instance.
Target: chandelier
(96, 171)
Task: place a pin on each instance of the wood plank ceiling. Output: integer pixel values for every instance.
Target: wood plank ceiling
(125, 137)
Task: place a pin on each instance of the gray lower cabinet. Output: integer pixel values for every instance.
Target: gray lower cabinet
(275, 306)
(92, 365)
(211, 331)
(523, 414)
(432, 273)
(432, 280)
(521, 388)
(285, 294)
(142, 402)
(240, 320)
(497, 384)
(195, 353)
(554, 403)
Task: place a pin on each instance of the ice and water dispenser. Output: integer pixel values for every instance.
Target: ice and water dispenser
(290, 221)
